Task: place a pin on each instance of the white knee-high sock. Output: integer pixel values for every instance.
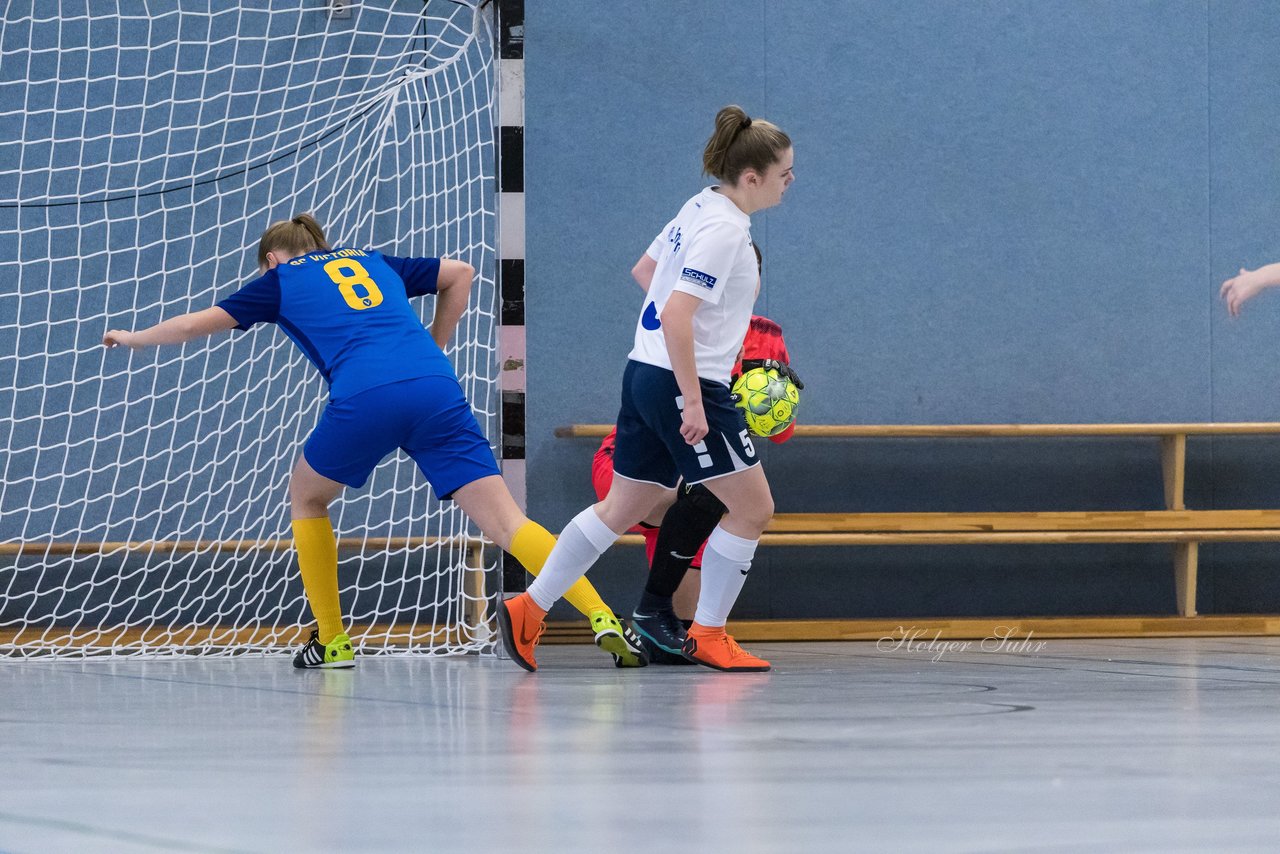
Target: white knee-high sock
(724, 570)
(579, 545)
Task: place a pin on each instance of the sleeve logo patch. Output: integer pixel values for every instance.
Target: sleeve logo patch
(697, 277)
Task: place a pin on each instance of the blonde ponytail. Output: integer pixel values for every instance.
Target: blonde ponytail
(292, 236)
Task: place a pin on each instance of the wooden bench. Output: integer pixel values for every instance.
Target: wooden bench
(1185, 529)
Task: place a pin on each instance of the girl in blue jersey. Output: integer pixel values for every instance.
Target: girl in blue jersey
(390, 386)
(677, 420)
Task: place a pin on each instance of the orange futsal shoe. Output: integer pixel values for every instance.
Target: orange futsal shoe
(713, 647)
(520, 620)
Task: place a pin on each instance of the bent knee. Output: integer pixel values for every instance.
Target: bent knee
(755, 515)
(764, 513)
(307, 503)
(625, 507)
(308, 509)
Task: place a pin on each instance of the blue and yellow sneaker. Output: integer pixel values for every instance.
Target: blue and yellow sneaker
(334, 654)
(616, 638)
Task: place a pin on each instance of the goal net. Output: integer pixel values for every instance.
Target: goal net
(143, 150)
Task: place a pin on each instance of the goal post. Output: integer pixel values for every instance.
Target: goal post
(143, 496)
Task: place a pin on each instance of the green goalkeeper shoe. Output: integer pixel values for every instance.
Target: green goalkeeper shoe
(616, 638)
(334, 654)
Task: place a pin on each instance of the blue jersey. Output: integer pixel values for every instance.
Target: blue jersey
(348, 310)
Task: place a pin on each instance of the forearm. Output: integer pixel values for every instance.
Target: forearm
(451, 304)
(679, 338)
(175, 330)
(1268, 276)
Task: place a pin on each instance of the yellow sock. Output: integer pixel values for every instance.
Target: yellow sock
(318, 562)
(531, 545)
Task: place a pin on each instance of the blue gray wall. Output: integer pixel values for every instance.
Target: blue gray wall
(1004, 212)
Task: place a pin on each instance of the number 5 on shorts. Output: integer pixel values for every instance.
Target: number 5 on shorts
(347, 274)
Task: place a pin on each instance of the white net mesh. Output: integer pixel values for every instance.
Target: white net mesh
(143, 149)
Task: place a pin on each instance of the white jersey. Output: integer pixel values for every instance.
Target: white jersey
(705, 251)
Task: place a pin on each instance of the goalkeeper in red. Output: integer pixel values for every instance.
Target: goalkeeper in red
(390, 386)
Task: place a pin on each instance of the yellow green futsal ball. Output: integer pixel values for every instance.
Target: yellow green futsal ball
(768, 400)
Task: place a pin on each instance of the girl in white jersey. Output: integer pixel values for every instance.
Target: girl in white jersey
(677, 419)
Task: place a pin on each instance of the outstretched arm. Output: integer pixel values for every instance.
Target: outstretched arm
(1240, 289)
(453, 291)
(175, 330)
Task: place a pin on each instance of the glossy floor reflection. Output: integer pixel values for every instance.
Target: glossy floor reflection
(1152, 745)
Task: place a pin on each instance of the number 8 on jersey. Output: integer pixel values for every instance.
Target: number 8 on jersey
(348, 273)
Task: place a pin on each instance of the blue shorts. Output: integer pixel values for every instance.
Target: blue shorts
(650, 448)
(428, 417)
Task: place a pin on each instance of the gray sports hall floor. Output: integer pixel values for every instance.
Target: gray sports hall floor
(1134, 745)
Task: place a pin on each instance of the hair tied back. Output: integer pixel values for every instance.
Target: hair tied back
(740, 143)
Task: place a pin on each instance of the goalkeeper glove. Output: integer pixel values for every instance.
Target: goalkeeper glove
(773, 364)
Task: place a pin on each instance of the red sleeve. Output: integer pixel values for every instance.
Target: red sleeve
(764, 341)
(782, 348)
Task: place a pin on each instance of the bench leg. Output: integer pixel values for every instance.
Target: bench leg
(1173, 460)
(1186, 560)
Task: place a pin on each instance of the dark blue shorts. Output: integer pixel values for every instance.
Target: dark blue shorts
(650, 448)
(428, 417)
